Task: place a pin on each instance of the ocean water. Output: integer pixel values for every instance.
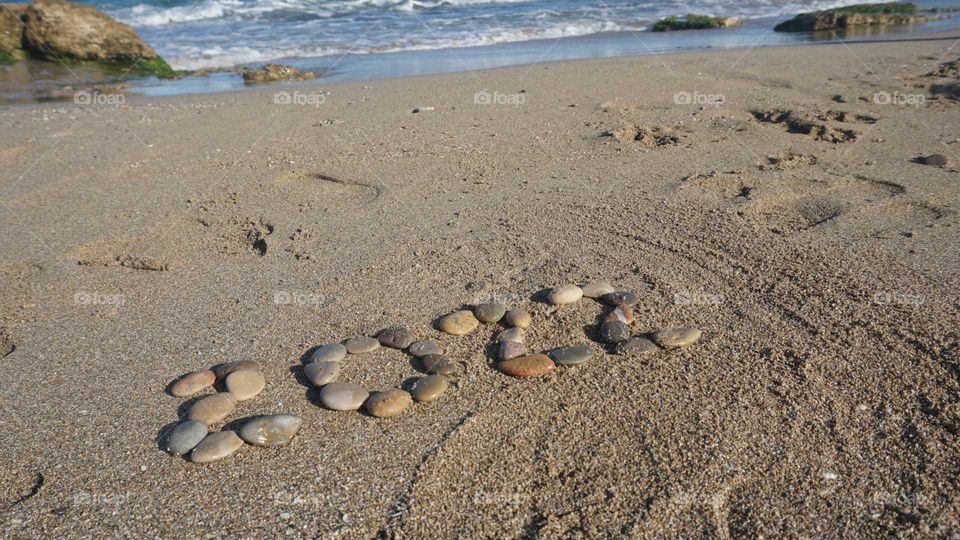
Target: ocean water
(203, 34)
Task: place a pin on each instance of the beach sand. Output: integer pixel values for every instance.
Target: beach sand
(791, 223)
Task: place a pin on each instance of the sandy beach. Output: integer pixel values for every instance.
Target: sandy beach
(771, 197)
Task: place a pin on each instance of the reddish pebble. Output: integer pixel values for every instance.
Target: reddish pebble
(532, 365)
(193, 383)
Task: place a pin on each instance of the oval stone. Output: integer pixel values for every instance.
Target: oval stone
(216, 446)
(672, 338)
(429, 388)
(438, 364)
(397, 337)
(239, 365)
(185, 436)
(572, 356)
(490, 312)
(637, 346)
(518, 318)
(212, 409)
(937, 160)
(565, 294)
(527, 366)
(271, 430)
(362, 344)
(244, 385)
(194, 382)
(597, 288)
(614, 331)
(343, 396)
(511, 334)
(510, 349)
(616, 298)
(389, 403)
(332, 352)
(425, 348)
(322, 373)
(459, 323)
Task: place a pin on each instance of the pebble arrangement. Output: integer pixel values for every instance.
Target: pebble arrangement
(243, 380)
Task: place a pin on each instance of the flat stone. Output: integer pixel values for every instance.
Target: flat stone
(459, 323)
(671, 338)
(185, 436)
(524, 367)
(322, 373)
(271, 430)
(389, 403)
(194, 382)
(597, 288)
(622, 313)
(614, 331)
(937, 160)
(362, 344)
(490, 312)
(438, 364)
(510, 349)
(616, 298)
(244, 385)
(239, 365)
(637, 346)
(343, 396)
(429, 388)
(331, 352)
(572, 356)
(511, 334)
(397, 337)
(565, 294)
(216, 446)
(212, 409)
(518, 318)
(425, 348)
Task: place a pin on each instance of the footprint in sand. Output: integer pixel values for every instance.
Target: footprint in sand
(334, 191)
(829, 126)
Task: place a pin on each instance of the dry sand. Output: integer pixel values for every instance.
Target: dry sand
(150, 240)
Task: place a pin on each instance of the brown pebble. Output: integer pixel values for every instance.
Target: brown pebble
(389, 403)
(216, 446)
(193, 383)
(672, 338)
(239, 365)
(518, 318)
(532, 365)
(244, 385)
(429, 388)
(212, 409)
(438, 364)
(508, 350)
(459, 323)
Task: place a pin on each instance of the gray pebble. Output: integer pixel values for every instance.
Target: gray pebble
(362, 344)
(508, 350)
(343, 396)
(572, 356)
(438, 364)
(614, 331)
(333, 352)
(615, 298)
(185, 436)
(490, 312)
(511, 334)
(322, 373)
(397, 337)
(637, 346)
(424, 348)
(672, 338)
(271, 430)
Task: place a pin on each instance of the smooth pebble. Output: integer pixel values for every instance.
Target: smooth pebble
(565, 294)
(239, 365)
(438, 364)
(429, 388)
(195, 382)
(510, 349)
(331, 352)
(511, 334)
(527, 366)
(597, 288)
(212, 409)
(244, 385)
(343, 396)
(490, 312)
(322, 373)
(361, 344)
(216, 446)
(572, 356)
(637, 346)
(271, 430)
(459, 323)
(185, 436)
(671, 338)
(397, 337)
(616, 298)
(425, 348)
(388, 403)
(937, 160)
(614, 331)
(519, 318)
